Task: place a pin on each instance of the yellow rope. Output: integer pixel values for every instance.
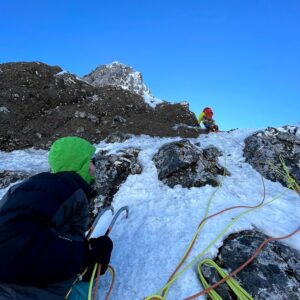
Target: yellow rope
(92, 282)
(233, 284)
(189, 265)
(163, 291)
(291, 182)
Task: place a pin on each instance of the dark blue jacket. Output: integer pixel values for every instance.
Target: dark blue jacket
(42, 229)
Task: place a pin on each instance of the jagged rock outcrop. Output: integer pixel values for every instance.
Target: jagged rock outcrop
(9, 177)
(264, 149)
(111, 171)
(40, 103)
(274, 274)
(120, 75)
(185, 164)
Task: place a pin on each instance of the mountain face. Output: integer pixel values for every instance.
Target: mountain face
(120, 75)
(40, 103)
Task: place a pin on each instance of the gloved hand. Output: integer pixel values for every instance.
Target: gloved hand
(99, 251)
(197, 125)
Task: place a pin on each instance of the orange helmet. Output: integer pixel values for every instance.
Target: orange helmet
(208, 112)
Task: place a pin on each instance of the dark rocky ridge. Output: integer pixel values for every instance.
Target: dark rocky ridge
(39, 103)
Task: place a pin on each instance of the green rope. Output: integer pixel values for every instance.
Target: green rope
(189, 265)
(233, 284)
(285, 173)
(166, 288)
(92, 282)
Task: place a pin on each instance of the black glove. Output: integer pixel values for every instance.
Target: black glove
(197, 125)
(99, 251)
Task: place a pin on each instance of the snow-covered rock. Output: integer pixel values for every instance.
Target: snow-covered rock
(121, 75)
(185, 164)
(266, 150)
(118, 74)
(274, 274)
(111, 171)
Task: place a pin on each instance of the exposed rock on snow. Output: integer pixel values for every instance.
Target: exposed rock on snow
(264, 149)
(274, 274)
(8, 177)
(185, 164)
(111, 171)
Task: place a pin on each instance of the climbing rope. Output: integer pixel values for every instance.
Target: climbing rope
(291, 182)
(257, 251)
(190, 246)
(233, 284)
(96, 289)
(112, 272)
(92, 281)
(161, 294)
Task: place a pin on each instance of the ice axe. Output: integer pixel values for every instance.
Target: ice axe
(109, 229)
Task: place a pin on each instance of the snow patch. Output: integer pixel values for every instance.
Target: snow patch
(62, 73)
(151, 100)
(4, 110)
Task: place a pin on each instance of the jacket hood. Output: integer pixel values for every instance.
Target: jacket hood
(72, 154)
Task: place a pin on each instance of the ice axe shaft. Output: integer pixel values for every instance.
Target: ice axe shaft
(100, 214)
(113, 221)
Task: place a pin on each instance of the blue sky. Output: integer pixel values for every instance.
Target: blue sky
(240, 57)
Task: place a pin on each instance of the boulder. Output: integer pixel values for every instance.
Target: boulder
(264, 149)
(183, 163)
(111, 171)
(273, 274)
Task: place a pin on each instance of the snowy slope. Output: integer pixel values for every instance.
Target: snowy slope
(149, 244)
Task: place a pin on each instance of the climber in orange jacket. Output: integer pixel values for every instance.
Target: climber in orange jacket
(206, 118)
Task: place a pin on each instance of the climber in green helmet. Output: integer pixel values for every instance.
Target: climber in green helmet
(43, 222)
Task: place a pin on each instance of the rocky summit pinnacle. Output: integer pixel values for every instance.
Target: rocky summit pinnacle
(120, 75)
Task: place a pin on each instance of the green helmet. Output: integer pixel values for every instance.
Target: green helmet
(72, 154)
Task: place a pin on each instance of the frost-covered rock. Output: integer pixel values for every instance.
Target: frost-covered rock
(274, 273)
(185, 164)
(9, 177)
(111, 171)
(264, 149)
(118, 74)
